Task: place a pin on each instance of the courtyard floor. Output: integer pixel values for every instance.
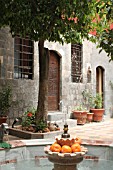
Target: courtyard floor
(100, 132)
(94, 131)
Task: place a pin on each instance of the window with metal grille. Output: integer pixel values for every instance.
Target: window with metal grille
(23, 58)
(76, 63)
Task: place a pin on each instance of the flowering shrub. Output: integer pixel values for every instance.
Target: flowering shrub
(28, 117)
(30, 124)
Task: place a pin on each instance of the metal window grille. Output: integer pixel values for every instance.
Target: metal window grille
(76, 63)
(23, 58)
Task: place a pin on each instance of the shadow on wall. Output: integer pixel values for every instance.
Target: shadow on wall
(111, 112)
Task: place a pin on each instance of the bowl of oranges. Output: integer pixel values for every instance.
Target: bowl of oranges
(69, 145)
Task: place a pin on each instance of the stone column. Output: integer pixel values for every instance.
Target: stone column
(65, 167)
(65, 161)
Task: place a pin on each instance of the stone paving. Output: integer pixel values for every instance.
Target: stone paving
(99, 131)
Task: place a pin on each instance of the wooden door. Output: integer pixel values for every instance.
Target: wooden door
(54, 80)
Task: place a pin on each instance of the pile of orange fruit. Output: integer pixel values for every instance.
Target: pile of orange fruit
(75, 147)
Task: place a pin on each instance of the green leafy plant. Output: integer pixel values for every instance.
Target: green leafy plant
(41, 125)
(5, 145)
(28, 117)
(80, 108)
(92, 101)
(98, 101)
(5, 100)
(88, 99)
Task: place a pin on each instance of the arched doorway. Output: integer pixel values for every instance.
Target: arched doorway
(54, 81)
(100, 81)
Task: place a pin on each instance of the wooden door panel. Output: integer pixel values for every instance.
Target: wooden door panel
(53, 87)
(52, 103)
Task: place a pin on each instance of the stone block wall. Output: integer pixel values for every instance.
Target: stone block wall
(26, 91)
(6, 54)
(71, 93)
(103, 60)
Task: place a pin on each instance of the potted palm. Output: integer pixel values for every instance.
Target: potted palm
(88, 102)
(80, 113)
(5, 103)
(97, 110)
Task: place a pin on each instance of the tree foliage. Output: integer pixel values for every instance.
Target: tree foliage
(50, 19)
(62, 21)
(104, 34)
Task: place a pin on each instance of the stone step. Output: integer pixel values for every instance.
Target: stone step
(55, 116)
(71, 123)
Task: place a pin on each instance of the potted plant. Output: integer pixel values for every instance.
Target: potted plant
(80, 113)
(89, 117)
(94, 104)
(97, 109)
(5, 103)
(88, 101)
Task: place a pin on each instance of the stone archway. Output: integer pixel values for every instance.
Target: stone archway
(100, 81)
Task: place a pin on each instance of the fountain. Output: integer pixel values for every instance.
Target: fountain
(65, 161)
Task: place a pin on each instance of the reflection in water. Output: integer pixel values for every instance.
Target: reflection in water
(44, 164)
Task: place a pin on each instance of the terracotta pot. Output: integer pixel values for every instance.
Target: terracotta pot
(81, 117)
(98, 114)
(3, 119)
(90, 117)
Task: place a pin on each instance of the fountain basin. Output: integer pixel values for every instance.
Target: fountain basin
(29, 154)
(65, 161)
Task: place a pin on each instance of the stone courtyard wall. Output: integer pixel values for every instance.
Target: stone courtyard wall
(71, 93)
(103, 60)
(26, 91)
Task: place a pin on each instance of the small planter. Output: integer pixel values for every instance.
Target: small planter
(98, 114)
(31, 135)
(89, 117)
(81, 116)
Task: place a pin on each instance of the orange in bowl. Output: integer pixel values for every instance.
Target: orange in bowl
(55, 147)
(76, 147)
(66, 149)
(78, 140)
